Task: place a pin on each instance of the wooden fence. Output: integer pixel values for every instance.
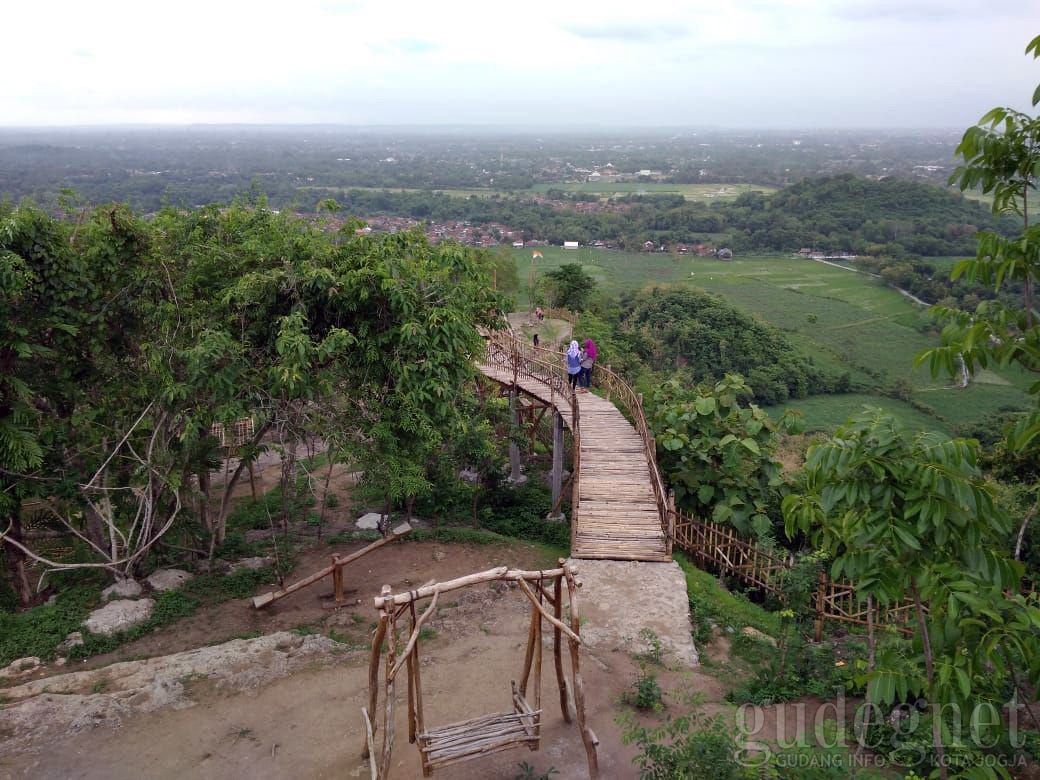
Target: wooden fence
(720, 548)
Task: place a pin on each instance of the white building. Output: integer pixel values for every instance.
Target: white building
(570, 244)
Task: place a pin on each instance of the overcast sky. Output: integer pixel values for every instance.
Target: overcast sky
(734, 63)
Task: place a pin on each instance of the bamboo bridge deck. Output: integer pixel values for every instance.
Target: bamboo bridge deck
(617, 516)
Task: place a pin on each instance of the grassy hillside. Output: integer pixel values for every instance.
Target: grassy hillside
(842, 319)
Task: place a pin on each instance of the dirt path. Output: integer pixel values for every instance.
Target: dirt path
(308, 725)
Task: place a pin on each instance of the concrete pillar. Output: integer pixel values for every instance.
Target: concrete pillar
(557, 457)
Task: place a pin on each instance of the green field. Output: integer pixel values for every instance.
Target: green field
(454, 192)
(844, 320)
(703, 192)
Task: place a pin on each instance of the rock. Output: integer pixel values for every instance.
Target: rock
(167, 579)
(259, 562)
(518, 481)
(469, 475)
(118, 616)
(369, 522)
(75, 639)
(758, 636)
(38, 712)
(123, 589)
(439, 555)
(19, 667)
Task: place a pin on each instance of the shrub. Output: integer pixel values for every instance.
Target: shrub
(646, 693)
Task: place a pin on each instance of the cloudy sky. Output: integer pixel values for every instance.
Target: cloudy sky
(733, 63)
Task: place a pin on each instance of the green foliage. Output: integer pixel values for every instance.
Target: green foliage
(645, 694)
(717, 454)
(37, 631)
(809, 670)
(528, 772)
(520, 512)
(687, 746)
(906, 516)
(711, 603)
(570, 287)
(1001, 157)
(709, 338)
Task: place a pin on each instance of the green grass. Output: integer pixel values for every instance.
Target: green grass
(827, 412)
(709, 601)
(843, 320)
(701, 192)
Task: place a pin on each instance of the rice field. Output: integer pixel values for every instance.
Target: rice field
(843, 319)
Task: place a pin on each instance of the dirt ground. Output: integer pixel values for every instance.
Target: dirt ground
(309, 724)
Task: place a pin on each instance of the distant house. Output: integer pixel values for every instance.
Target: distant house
(594, 176)
(570, 244)
(518, 244)
(725, 254)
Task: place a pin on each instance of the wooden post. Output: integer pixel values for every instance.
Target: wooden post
(537, 672)
(373, 668)
(528, 653)
(388, 705)
(587, 737)
(337, 581)
(514, 451)
(557, 458)
(821, 593)
(561, 681)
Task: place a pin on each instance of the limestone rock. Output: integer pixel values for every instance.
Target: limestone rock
(369, 522)
(19, 667)
(40, 711)
(75, 639)
(118, 616)
(167, 579)
(258, 562)
(123, 589)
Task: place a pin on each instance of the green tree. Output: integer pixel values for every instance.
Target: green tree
(1001, 157)
(570, 287)
(716, 454)
(911, 516)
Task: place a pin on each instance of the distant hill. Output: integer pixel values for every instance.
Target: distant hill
(846, 212)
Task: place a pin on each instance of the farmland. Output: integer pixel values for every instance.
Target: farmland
(700, 192)
(843, 319)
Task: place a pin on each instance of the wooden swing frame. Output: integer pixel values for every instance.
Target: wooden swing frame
(486, 734)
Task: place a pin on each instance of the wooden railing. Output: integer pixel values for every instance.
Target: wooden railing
(720, 548)
(506, 350)
(619, 392)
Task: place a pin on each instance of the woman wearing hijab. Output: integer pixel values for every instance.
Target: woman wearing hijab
(573, 364)
(588, 360)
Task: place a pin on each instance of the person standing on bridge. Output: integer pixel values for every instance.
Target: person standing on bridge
(588, 360)
(573, 364)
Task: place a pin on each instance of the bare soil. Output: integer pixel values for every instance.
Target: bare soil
(309, 724)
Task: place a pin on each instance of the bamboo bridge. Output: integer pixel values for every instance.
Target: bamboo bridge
(619, 507)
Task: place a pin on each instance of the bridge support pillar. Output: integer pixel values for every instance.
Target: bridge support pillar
(557, 460)
(514, 451)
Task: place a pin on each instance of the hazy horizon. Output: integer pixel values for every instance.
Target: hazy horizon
(748, 64)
